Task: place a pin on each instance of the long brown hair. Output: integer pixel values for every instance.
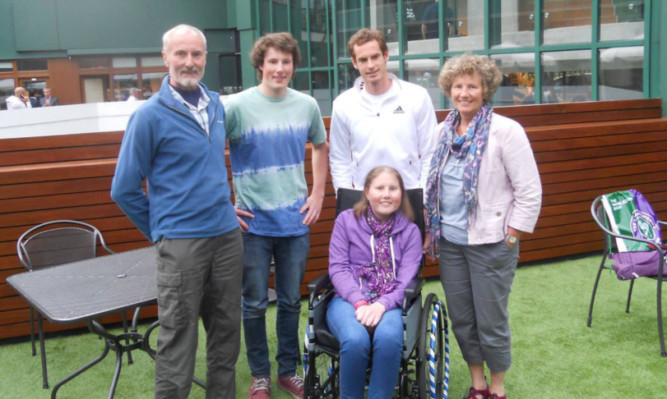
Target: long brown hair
(362, 205)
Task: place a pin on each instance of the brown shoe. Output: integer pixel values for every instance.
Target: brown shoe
(260, 388)
(292, 385)
(478, 393)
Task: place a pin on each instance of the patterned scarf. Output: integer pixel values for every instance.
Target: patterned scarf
(470, 147)
(380, 273)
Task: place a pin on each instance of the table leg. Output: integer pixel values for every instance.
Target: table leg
(79, 371)
(42, 352)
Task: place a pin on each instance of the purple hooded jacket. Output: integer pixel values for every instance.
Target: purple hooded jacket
(350, 248)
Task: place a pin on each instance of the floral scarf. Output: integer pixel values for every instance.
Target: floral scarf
(470, 147)
(380, 273)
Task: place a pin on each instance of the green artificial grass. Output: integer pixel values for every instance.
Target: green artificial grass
(554, 354)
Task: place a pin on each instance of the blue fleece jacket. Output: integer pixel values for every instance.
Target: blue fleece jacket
(188, 191)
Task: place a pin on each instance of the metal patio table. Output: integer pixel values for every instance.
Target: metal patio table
(86, 290)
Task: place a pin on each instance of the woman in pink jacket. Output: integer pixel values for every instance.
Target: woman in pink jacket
(483, 192)
(375, 251)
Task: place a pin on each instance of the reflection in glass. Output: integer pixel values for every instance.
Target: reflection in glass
(518, 83)
(299, 28)
(468, 30)
(264, 17)
(512, 24)
(322, 91)
(300, 82)
(94, 62)
(348, 21)
(424, 72)
(122, 85)
(280, 19)
(6, 90)
(566, 76)
(150, 83)
(31, 65)
(622, 20)
(427, 39)
(319, 45)
(124, 62)
(567, 21)
(621, 73)
(152, 61)
(6, 66)
(346, 76)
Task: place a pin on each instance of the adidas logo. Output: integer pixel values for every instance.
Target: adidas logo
(399, 110)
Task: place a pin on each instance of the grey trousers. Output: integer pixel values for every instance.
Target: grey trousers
(198, 276)
(477, 280)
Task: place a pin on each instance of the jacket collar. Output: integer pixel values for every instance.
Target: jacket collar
(166, 98)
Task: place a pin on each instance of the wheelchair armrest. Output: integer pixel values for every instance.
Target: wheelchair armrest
(412, 290)
(319, 283)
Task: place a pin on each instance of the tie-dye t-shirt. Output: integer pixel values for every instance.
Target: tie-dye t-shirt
(267, 144)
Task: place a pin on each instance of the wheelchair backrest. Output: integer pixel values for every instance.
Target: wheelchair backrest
(346, 198)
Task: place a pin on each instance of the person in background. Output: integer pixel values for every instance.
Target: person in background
(176, 141)
(135, 95)
(268, 128)
(483, 193)
(48, 100)
(374, 252)
(20, 100)
(381, 120)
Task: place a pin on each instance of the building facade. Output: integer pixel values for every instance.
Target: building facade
(549, 50)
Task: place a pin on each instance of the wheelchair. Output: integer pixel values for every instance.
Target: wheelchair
(424, 370)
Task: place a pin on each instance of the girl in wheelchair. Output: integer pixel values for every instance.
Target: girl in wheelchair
(375, 251)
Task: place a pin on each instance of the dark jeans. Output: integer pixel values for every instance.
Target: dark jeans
(289, 254)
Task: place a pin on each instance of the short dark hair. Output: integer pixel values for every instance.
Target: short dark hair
(363, 204)
(364, 36)
(283, 41)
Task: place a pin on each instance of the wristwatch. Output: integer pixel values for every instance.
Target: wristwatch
(512, 239)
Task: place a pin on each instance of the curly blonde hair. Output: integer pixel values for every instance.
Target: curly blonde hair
(469, 64)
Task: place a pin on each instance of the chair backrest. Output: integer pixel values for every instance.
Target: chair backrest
(57, 242)
(346, 198)
(628, 213)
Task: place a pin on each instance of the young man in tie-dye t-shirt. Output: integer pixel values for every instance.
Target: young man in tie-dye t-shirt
(268, 127)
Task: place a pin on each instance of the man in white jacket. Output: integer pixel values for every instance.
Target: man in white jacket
(381, 120)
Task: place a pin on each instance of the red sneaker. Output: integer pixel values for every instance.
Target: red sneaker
(292, 385)
(260, 388)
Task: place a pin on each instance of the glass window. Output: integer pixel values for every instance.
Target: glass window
(322, 91)
(566, 76)
(150, 83)
(348, 20)
(6, 66)
(94, 62)
(152, 61)
(431, 31)
(468, 30)
(346, 76)
(124, 62)
(31, 65)
(622, 20)
(567, 21)
(424, 72)
(122, 85)
(621, 73)
(512, 24)
(280, 18)
(264, 17)
(383, 16)
(6, 90)
(518, 79)
(319, 42)
(299, 28)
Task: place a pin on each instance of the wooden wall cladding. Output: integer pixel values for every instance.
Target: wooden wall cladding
(582, 150)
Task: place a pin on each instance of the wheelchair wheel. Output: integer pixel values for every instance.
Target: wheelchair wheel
(320, 377)
(432, 383)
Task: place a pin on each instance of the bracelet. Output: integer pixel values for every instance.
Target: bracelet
(360, 303)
